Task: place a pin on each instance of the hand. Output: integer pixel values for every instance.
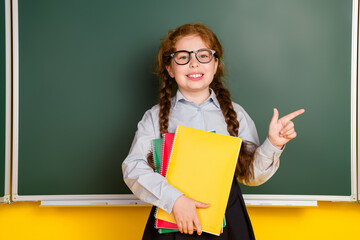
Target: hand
(186, 217)
(282, 130)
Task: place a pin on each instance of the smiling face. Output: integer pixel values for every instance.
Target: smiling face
(194, 78)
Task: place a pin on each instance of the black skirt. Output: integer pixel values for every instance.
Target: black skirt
(238, 225)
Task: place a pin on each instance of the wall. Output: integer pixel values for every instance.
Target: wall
(29, 221)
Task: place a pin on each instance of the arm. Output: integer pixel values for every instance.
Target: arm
(267, 156)
(146, 184)
(153, 188)
(266, 163)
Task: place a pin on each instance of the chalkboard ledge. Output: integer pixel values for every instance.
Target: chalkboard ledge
(280, 203)
(93, 203)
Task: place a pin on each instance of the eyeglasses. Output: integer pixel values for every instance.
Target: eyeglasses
(183, 57)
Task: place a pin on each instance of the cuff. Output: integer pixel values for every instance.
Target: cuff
(171, 195)
(270, 151)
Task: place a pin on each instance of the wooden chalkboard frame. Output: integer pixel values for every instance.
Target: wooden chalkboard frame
(121, 199)
(5, 197)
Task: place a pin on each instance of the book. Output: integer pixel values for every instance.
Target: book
(160, 164)
(156, 151)
(202, 166)
(167, 142)
(161, 154)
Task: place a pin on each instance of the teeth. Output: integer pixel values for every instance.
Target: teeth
(195, 75)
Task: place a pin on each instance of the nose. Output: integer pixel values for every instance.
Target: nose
(193, 61)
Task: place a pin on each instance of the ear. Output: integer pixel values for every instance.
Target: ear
(170, 71)
(216, 65)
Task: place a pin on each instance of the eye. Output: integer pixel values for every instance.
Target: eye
(204, 54)
(182, 56)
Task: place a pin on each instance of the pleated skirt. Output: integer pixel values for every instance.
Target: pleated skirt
(238, 225)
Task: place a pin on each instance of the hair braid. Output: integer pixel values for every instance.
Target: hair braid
(223, 96)
(244, 166)
(164, 112)
(165, 104)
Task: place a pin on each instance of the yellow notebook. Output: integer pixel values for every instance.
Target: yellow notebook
(202, 166)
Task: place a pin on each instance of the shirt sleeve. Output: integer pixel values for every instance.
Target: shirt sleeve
(146, 184)
(267, 157)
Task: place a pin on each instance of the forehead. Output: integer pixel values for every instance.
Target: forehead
(190, 43)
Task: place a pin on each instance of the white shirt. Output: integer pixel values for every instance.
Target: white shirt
(153, 188)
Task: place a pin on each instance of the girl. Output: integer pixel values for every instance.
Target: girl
(191, 57)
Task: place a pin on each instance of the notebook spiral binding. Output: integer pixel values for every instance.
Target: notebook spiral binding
(169, 162)
(162, 156)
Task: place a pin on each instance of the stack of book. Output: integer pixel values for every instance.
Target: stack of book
(200, 164)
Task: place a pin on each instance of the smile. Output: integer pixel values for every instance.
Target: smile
(196, 75)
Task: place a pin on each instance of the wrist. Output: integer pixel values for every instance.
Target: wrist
(275, 145)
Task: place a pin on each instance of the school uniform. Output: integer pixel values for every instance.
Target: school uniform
(153, 188)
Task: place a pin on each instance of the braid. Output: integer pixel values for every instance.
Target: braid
(165, 104)
(244, 166)
(223, 96)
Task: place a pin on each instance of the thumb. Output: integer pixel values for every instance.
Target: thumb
(201, 205)
(275, 116)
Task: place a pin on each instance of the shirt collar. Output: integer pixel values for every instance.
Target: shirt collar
(214, 99)
(179, 97)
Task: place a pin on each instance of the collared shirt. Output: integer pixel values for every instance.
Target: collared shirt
(153, 188)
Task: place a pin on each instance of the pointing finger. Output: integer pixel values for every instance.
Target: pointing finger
(293, 115)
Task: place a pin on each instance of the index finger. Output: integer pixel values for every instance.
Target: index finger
(293, 115)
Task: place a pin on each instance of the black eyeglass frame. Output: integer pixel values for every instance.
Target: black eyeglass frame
(196, 52)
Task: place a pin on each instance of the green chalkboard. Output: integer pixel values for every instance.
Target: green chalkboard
(85, 80)
(297, 54)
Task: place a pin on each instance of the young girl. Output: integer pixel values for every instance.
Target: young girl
(190, 57)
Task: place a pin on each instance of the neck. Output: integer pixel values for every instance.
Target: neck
(197, 97)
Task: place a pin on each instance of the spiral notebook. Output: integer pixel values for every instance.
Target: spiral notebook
(160, 163)
(156, 149)
(161, 154)
(202, 166)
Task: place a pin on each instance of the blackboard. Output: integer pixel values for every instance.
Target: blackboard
(85, 80)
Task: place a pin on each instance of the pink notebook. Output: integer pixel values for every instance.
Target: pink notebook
(168, 139)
